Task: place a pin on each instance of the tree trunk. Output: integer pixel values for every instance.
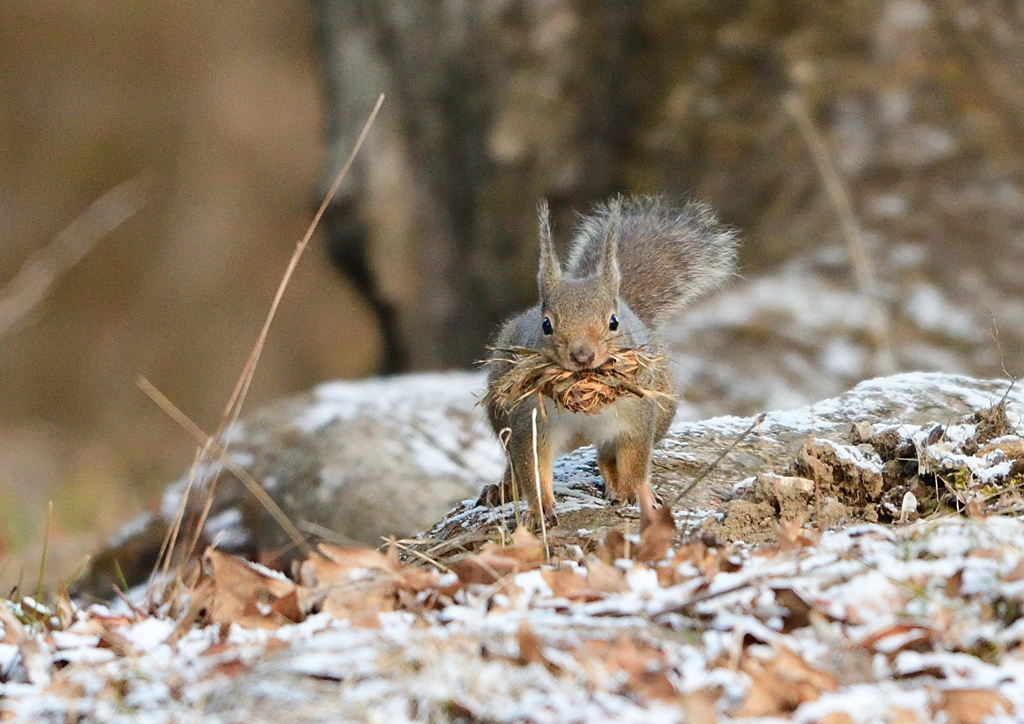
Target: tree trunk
(494, 105)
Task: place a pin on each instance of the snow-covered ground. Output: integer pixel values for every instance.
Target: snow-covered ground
(867, 624)
(864, 622)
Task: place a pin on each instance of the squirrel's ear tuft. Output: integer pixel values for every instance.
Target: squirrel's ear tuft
(550, 270)
(609, 255)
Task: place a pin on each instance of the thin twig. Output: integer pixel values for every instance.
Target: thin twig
(840, 198)
(47, 526)
(244, 475)
(43, 268)
(764, 448)
(536, 480)
(408, 549)
(714, 464)
(814, 469)
(324, 533)
(504, 436)
(233, 408)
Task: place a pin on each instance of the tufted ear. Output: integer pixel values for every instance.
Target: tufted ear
(550, 272)
(609, 269)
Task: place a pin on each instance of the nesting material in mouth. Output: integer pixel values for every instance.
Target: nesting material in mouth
(625, 372)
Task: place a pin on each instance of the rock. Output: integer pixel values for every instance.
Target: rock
(361, 460)
(816, 442)
(353, 461)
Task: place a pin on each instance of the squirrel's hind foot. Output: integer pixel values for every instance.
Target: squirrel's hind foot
(532, 522)
(491, 496)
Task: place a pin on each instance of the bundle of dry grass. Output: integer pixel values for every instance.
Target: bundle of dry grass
(626, 372)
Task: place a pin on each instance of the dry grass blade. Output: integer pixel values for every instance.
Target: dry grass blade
(30, 285)
(250, 483)
(714, 464)
(234, 405)
(412, 551)
(626, 372)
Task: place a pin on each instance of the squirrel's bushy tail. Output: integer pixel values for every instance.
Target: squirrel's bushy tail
(668, 255)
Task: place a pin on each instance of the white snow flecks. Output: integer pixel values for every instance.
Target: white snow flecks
(883, 592)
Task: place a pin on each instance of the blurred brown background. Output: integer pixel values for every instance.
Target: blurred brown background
(240, 113)
(221, 104)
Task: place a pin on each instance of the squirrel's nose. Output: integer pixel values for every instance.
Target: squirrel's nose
(582, 355)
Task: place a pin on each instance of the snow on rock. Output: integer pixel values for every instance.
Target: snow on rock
(359, 459)
(843, 613)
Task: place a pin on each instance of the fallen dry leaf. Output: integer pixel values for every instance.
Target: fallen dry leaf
(797, 607)
(613, 547)
(359, 598)
(837, 717)
(113, 641)
(1016, 573)
(899, 715)
(643, 664)
(900, 637)
(971, 706)
(705, 560)
(656, 530)
(496, 562)
(605, 578)
(244, 594)
(782, 683)
(352, 558)
(792, 535)
(699, 706)
(566, 583)
(529, 646)
(526, 547)
(14, 631)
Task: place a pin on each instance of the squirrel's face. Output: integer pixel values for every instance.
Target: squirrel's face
(578, 324)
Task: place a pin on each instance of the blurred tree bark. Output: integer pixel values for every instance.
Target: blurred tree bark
(490, 107)
(493, 105)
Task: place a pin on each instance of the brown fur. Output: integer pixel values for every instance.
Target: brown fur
(642, 261)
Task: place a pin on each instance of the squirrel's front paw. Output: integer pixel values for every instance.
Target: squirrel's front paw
(620, 498)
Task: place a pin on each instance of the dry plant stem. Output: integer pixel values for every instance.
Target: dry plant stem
(163, 559)
(504, 437)
(714, 464)
(30, 285)
(326, 534)
(536, 480)
(247, 479)
(47, 525)
(840, 198)
(817, 481)
(422, 556)
(234, 406)
(764, 447)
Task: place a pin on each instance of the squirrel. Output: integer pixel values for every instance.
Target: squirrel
(635, 263)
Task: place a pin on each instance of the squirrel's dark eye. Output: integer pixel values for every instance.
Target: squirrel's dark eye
(546, 326)
(613, 323)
